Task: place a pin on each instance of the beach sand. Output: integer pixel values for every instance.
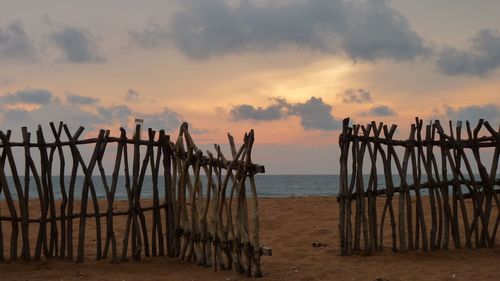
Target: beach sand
(289, 226)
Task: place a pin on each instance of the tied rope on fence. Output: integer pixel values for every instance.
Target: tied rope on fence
(462, 194)
(206, 215)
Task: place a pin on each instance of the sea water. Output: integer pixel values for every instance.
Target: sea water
(267, 185)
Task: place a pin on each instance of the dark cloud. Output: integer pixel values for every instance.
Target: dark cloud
(473, 113)
(167, 120)
(365, 30)
(482, 58)
(29, 96)
(132, 95)
(273, 112)
(356, 96)
(16, 114)
(374, 30)
(55, 111)
(74, 112)
(314, 113)
(15, 43)
(52, 109)
(379, 110)
(118, 113)
(84, 100)
(78, 45)
(5, 82)
(153, 36)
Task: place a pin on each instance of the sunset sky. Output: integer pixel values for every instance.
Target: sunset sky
(290, 69)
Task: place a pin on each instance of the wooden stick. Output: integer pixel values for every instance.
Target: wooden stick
(88, 185)
(23, 208)
(57, 136)
(26, 242)
(416, 179)
(169, 193)
(136, 235)
(129, 197)
(189, 233)
(9, 201)
(71, 193)
(45, 188)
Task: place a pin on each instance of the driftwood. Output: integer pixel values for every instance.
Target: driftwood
(418, 171)
(210, 222)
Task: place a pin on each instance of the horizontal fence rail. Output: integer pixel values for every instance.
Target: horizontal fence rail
(437, 170)
(210, 222)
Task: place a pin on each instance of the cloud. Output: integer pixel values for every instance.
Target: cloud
(364, 30)
(50, 108)
(153, 36)
(356, 96)
(77, 45)
(118, 113)
(16, 114)
(220, 110)
(132, 95)
(313, 113)
(83, 100)
(75, 113)
(482, 58)
(473, 113)
(167, 120)
(379, 110)
(28, 96)
(374, 30)
(14, 43)
(273, 112)
(4, 82)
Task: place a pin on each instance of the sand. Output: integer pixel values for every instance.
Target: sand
(289, 226)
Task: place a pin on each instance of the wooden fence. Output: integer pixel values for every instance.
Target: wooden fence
(447, 176)
(203, 217)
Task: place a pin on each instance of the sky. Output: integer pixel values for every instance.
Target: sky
(289, 69)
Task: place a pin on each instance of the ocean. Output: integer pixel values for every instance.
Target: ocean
(267, 186)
